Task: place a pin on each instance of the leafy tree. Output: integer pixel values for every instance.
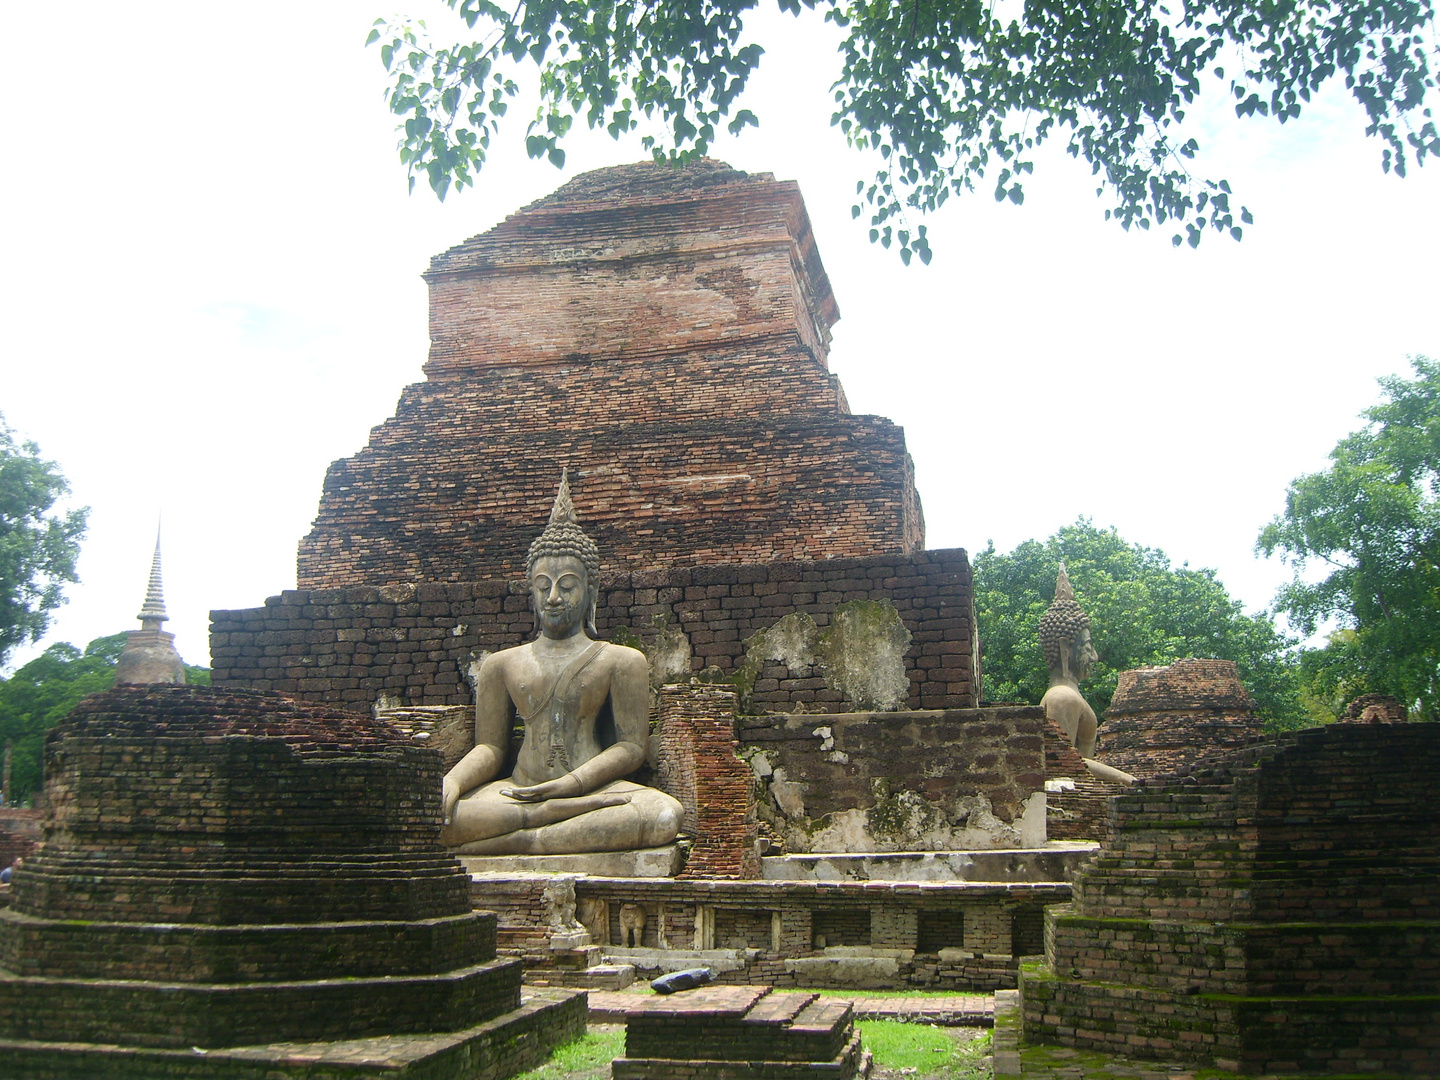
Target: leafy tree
(37, 548)
(1371, 521)
(952, 94)
(47, 688)
(1143, 612)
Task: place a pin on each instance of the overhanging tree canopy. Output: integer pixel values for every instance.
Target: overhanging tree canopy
(954, 95)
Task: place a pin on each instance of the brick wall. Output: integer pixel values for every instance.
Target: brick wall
(697, 764)
(1079, 812)
(414, 644)
(898, 771)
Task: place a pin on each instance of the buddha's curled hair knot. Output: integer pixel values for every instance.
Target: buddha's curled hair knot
(563, 536)
(1061, 622)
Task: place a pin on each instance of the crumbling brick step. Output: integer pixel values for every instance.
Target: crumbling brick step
(844, 1066)
(778, 1008)
(959, 1010)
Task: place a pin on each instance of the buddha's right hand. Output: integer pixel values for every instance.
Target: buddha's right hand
(449, 796)
(568, 786)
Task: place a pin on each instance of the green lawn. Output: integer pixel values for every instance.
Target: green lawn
(587, 1058)
(912, 1051)
(934, 1053)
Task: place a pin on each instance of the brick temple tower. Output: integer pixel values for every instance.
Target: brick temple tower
(662, 333)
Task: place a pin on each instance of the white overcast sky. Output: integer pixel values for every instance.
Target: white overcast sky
(211, 290)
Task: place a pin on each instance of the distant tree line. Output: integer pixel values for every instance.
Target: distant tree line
(1370, 524)
(48, 687)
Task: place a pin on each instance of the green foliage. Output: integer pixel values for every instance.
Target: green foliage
(37, 548)
(1143, 612)
(43, 691)
(47, 688)
(1371, 521)
(952, 95)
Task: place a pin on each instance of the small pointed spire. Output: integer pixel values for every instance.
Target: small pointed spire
(152, 613)
(564, 510)
(1063, 591)
(149, 655)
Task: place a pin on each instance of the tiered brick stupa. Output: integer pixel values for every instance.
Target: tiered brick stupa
(1164, 719)
(1278, 911)
(662, 333)
(234, 884)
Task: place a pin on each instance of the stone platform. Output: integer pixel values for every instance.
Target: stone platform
(739, 1033)
(960, 936)
(1056, 861)
(645, 863)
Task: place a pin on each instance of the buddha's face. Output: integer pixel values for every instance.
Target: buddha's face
(1083, 655)
(560, 591)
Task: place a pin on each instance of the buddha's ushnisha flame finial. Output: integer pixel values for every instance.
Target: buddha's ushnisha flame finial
(563, 512)
(1063, 591)
(152, 612)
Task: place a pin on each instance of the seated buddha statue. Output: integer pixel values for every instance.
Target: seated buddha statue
(585, 706)
(1069, 654)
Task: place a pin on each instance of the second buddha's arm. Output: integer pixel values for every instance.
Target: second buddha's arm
(492, 733)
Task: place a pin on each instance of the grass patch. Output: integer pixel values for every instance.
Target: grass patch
(904, 1051)
(1100, 1066)
(926, 1052)
(894, 994)
(587, 1058)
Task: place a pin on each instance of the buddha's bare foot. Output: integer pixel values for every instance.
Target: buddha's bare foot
(552, 810)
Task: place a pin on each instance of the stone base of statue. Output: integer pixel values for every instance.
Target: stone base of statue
(645, 863)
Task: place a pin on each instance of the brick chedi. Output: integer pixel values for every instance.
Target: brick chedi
(1164, 719)
(662, 333)
(236, 884)
(1276, 911)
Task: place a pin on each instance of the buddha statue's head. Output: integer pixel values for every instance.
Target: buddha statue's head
(1065, 635)
(563, 569)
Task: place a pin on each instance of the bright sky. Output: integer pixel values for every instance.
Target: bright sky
(211, 290)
